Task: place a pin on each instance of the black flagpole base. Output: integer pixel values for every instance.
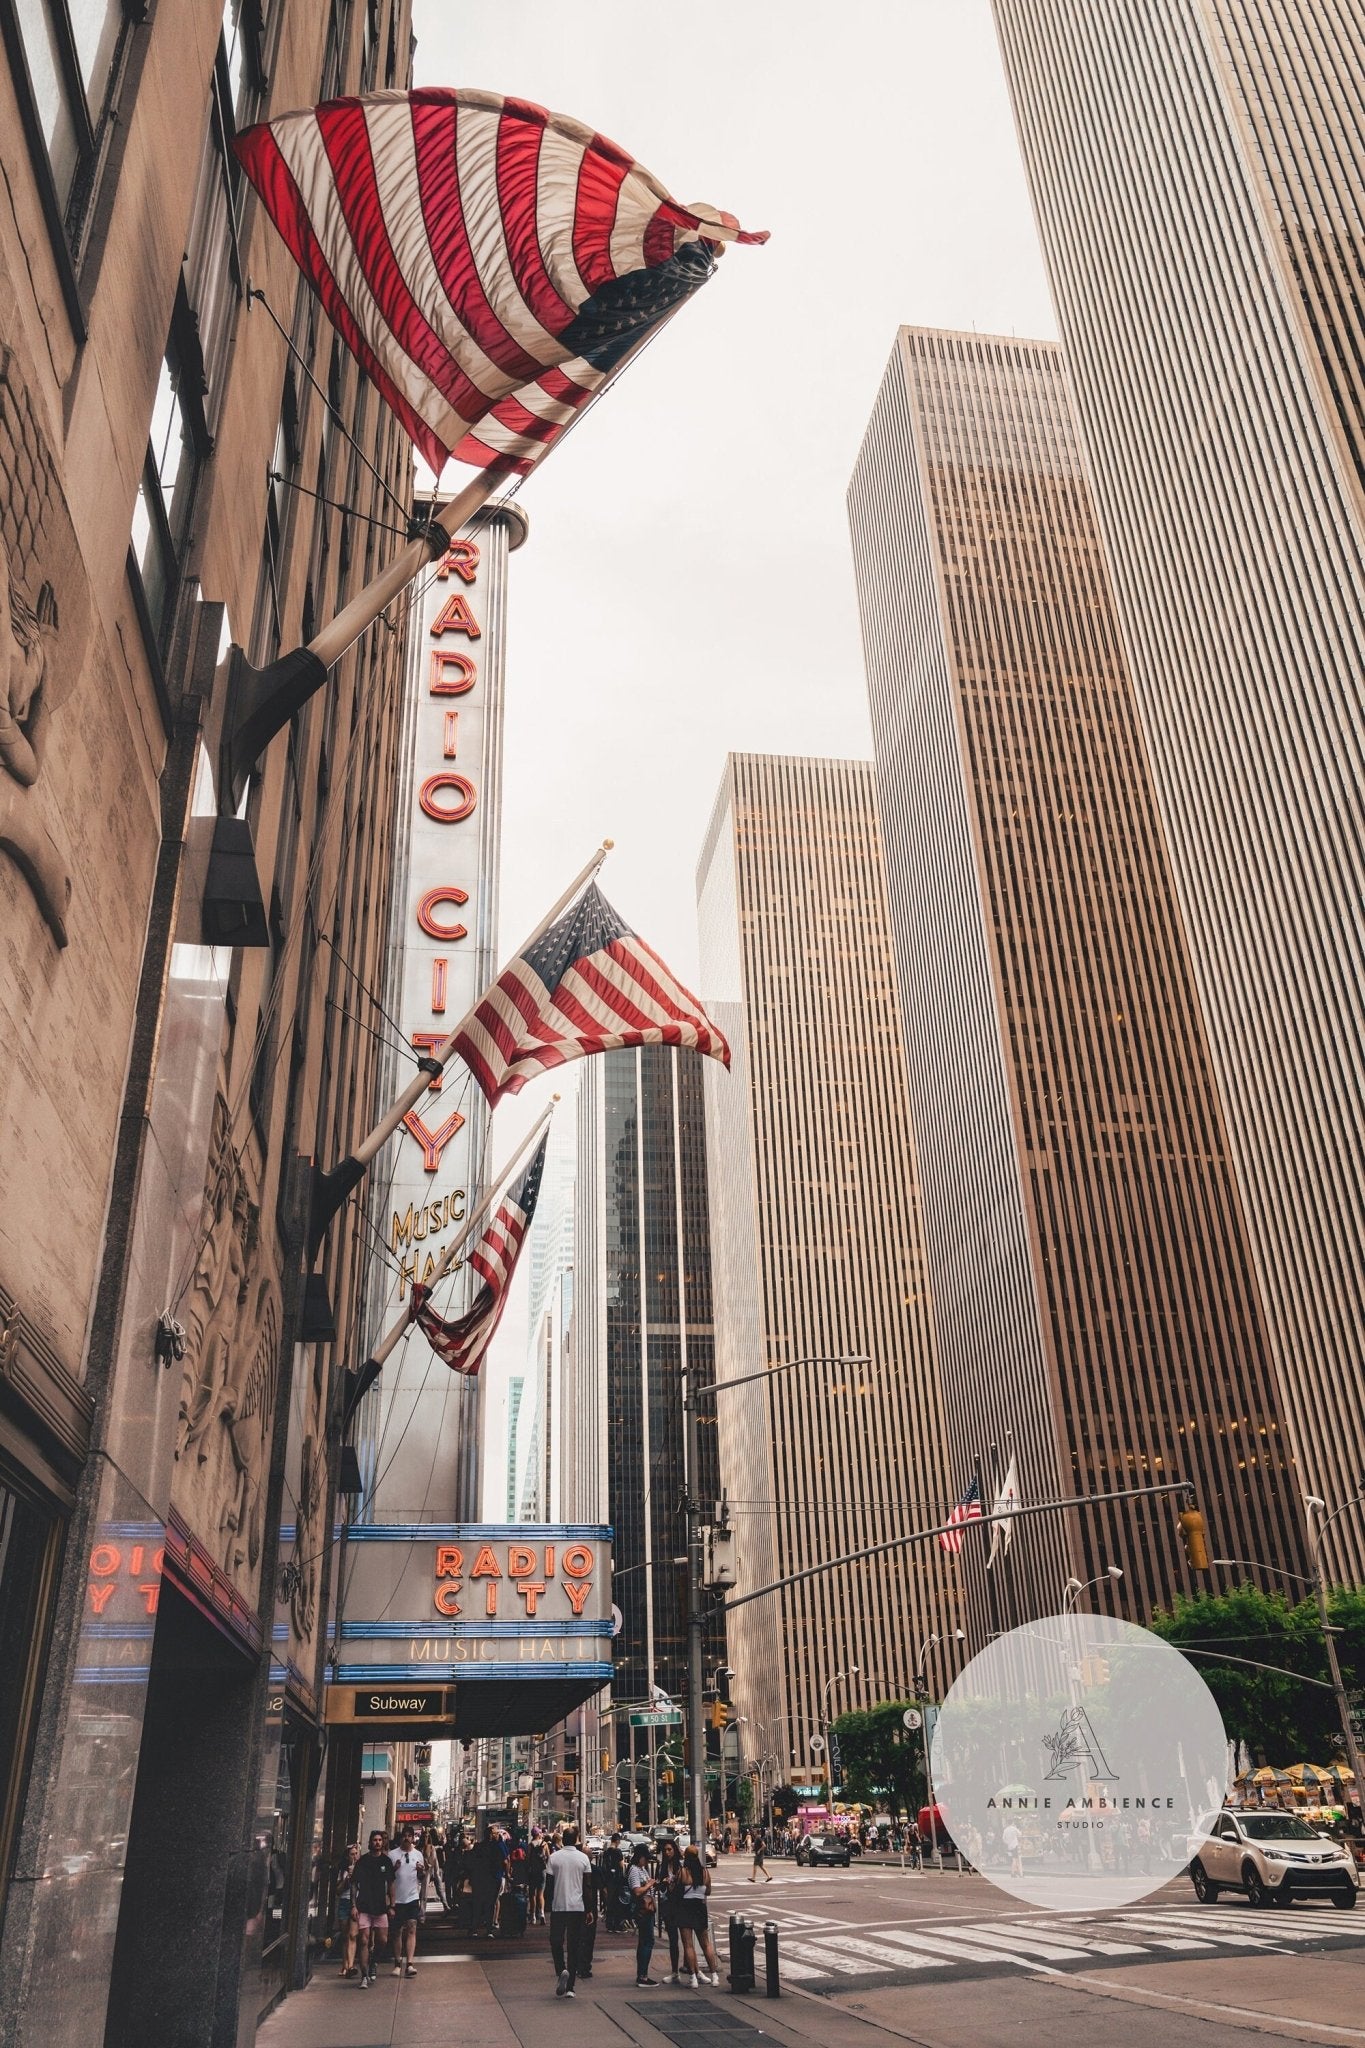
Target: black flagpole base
(261, 702)
(364, 1380)
(329, 1191)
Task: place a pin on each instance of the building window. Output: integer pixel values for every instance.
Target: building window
(30, 1540)
(177, 443)
(214, 272)
(66, 56)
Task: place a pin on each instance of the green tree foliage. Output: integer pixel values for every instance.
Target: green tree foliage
(882, 1760)
(1280, 1720)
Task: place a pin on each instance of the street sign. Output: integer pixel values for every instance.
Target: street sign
(661, 1717)
(912, 1718)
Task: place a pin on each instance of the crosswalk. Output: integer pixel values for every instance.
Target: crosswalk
(825, 1954)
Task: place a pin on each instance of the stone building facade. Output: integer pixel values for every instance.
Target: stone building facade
(185, 1002)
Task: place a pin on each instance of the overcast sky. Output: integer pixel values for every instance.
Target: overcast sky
(687, 589)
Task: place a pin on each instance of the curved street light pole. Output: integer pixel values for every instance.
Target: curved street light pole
(1074, 1588)
(1319, 1513)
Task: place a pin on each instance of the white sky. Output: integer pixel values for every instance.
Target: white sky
(687, 589)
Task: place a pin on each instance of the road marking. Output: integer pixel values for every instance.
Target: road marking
(953, 1951)
(1155, 1926)
(1043, 1942)
(888, 1958)
(829, 1961)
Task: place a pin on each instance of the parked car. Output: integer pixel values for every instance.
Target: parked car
(1274, 1858)
(816, 1849)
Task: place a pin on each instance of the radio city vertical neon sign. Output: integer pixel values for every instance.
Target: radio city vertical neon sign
(449, 796)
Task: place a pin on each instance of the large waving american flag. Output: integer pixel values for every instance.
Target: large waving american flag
(588, 984)
(967, 1510)
(487, 263)
(463, 1340)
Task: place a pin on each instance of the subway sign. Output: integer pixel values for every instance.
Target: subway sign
(430, 1603)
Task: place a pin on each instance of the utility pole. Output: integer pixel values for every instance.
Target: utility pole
(1329, 1634)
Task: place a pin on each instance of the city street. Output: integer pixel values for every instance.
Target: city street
(874, 1954)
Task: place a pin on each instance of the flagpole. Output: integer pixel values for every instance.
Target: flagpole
(991, 1602)
(331, 1189)
(262, 701)
(388, 1343)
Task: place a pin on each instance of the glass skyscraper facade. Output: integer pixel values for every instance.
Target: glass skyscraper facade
(1197, 169)
(642, 1318)
(1094, 1305)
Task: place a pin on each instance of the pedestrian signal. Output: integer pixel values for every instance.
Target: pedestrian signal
(1196, 1541)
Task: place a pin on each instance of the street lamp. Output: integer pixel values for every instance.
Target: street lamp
(852, 1672)
(1319, 1512)
(1074, 1588)
(692, 1394)
(922, 1691)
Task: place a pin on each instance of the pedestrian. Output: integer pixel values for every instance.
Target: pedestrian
(373, 1890)
(668, 1892)
(535, 1881)
(345, 1919)
(611, 1883)
(694, 1920)
(569, 1873)
(432, 1847)
(1013, 1844)
(485, 1876)
(409, 1897)
(643, 1898)
(759, 1847)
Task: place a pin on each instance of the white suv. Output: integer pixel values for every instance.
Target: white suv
(1273, 1858)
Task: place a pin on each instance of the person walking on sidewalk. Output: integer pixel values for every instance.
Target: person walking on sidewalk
(570, 1876)
(535, 1881)
(694, 1920)
(759, 1847)
(345, 1909)
(409, 1897)
(373, 1890)
(640, 1880)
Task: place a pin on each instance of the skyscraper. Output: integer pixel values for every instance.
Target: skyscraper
(1092, 1283)
(1197, 170)
(816, 1253)
(643, 1319)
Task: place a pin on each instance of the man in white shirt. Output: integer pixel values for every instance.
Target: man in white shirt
(409, 1891)
(568, 1877)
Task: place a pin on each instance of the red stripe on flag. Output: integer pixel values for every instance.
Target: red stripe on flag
(346, 139)
(521, 132)
(260, 157)
(599, 188)
(661, 239)
(642, 952)
(438, 186)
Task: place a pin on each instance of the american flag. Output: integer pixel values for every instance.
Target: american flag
(586, 985)
(486, 262)
(463, 1341)
(967, 1510)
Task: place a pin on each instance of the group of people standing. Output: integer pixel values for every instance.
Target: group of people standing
(381, 1896)
(668, 1898)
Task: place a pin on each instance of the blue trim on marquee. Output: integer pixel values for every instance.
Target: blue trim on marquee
(479, 1532)
(459, 1674)
(361, 1631)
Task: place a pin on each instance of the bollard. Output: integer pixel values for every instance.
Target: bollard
(774, 1988)
(742, 1943)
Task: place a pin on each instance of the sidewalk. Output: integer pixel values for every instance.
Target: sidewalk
(506, 1999)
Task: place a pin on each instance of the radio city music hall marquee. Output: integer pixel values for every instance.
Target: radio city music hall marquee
(476, 1601)
(447, 886)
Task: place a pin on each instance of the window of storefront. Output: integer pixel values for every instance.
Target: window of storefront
(30, 1541)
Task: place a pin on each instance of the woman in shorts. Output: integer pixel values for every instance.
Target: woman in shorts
(694, 1920)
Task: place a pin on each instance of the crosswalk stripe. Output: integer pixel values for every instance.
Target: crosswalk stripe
(952, 1950)
(808, 1952)
(801, 1972)
(1278, 1927)
(1099, 1942)
(1043, 1942)
(888, 1958)
(1159, 1928)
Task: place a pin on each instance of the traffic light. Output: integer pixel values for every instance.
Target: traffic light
(720, 1713)
(1196, 1541)
(604, 1759)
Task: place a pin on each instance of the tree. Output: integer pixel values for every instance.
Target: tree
(1280, 1720)
(882, 1759)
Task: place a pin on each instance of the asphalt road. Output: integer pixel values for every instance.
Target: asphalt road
(949, 1962)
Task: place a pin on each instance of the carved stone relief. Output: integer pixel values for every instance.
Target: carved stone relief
(44, 624)
(231, 1372)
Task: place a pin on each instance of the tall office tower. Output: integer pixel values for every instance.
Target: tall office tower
(1197, 171)
(1092, 1283)
(642, 1319)
(543, 1421)
(816, 1253)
